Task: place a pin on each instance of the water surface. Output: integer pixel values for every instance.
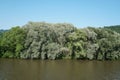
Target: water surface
(14, 69)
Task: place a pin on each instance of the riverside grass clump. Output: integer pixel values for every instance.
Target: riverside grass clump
(41, 40)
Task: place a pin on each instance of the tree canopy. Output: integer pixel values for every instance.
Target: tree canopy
(40, 40)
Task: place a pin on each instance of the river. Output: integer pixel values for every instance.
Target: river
(15, 69)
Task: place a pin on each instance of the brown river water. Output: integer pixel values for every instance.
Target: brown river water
(15, 69)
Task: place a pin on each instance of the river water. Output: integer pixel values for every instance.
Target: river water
(15, 69)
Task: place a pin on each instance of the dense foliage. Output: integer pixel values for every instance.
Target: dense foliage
(114, 28)
(1, 32)
(12, 43)
(40, 40)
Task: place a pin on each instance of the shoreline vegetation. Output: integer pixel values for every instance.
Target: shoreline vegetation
(46, 41)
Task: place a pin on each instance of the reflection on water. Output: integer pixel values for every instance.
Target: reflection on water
(12, 69)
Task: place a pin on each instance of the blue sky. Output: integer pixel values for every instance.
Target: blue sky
(81, 13)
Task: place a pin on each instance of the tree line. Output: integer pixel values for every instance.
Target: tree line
(41, 40)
